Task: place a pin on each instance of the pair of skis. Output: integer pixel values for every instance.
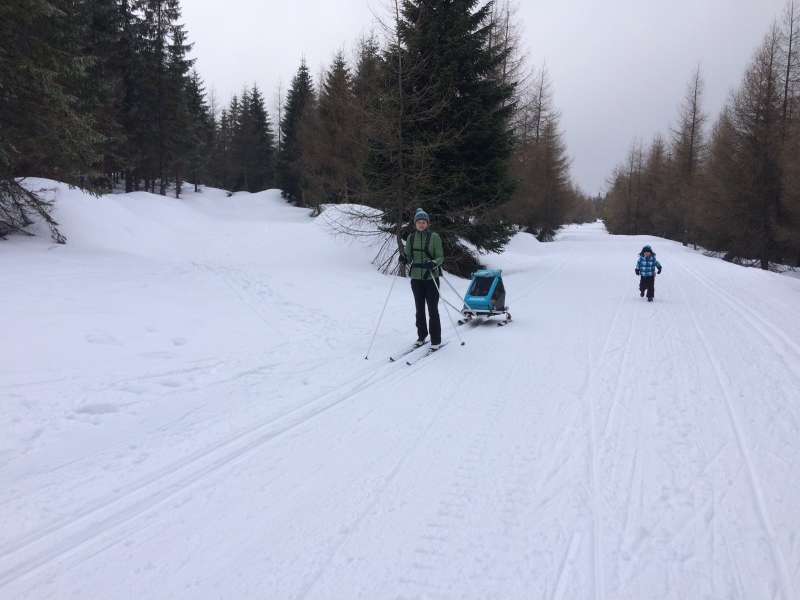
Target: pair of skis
(415, 357)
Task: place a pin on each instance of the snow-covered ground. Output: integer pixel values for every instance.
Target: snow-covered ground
(187, 413)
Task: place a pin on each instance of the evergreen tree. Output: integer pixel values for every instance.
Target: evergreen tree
(243, 152)
(242, 142)
(337, 109)
(220, 172)
(365, 80)
(436, 130)
(98, 23)
(131, 110)
(164, 97)
(262, 152)
(330, 139)
(464, 113)
(45, 130)
(201, 131)
(299, 101)
(181, 139)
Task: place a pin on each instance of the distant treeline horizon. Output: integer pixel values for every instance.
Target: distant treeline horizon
(439, 109)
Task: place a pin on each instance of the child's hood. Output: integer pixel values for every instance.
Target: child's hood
(645, 249)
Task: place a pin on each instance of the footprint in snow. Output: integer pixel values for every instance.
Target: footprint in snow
(96, 409)
(106, 340)
(158, 355)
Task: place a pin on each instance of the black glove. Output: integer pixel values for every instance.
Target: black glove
(637, 271)
(429, 264)
(659, 270)
(403, 259)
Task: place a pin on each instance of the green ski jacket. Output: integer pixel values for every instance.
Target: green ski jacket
(417, 255)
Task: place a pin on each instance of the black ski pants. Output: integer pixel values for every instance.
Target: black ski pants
(426, 292)
(648, 284)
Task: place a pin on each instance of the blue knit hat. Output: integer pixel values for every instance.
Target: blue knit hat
(421, 214)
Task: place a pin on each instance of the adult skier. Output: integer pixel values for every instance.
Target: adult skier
(424, 255)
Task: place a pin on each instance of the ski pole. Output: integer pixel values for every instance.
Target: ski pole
(452, 324)
(447, 281)
(394, 279)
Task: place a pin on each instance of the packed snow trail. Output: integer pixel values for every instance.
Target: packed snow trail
(189, 415)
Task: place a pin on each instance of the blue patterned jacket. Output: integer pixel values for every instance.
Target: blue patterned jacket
(647, 265)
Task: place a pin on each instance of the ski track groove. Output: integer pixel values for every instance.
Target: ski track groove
(451, 517)
(778, 558)
(71, 533)
(637, 476)
(567, 566)
(102, 518)
(66, 542)
(756, 321)
(594, 458)
(613, 409)
(615, 394)
(599, 578)
(526, 290)
(243, 293)
(352, 526)
(125, 384)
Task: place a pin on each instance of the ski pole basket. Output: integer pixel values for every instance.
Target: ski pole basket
(486, 295)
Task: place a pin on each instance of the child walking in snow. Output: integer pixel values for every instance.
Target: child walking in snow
(646, 267)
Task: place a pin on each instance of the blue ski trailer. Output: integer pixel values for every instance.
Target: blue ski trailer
(486, 295)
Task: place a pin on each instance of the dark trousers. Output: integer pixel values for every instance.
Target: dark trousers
(648, 284)
(426, 292)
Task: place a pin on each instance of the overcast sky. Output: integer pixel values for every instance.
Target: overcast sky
(619, 68)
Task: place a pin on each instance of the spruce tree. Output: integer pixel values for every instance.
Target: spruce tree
(364, 82)
(262, 151)
(164, 86)
(134, 125)
(448, 55)
(201, 130)
(45, 129)
(219, 168)
(299, 100)
(99, 25)
(436, 128)
(241, 144)
(331, 140)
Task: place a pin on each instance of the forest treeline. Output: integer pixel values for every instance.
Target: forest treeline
(436, 108)
(731, 186)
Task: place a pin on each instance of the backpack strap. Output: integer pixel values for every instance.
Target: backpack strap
(428, 273)
(424, 249)
(427, 244)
